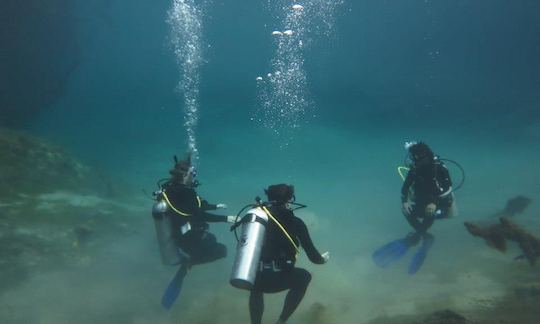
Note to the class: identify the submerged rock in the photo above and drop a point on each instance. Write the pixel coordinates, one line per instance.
(54, 211)
(30, 165)
(496, 235)
(446, 316)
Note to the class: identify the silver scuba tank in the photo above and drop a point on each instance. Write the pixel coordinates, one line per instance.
(248, 250)
(170, 253)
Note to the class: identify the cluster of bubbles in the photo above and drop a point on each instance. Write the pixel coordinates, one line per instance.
(323, 13)
(283, 93)
(185, 20)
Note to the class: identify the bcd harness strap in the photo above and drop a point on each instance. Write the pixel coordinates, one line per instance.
(199, 203)
(297, 249)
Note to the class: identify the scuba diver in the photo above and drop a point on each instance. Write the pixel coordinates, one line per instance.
(276, 234)
(181, 221)
(429, 181)
(426, 195)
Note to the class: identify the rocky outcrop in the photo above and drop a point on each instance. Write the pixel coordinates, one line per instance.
(29, 165)
(54, 210)
(496, 235)
(445, 316)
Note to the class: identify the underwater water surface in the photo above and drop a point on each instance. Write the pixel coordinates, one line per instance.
(320, 94)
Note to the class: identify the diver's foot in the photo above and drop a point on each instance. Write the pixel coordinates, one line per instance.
(413, 238)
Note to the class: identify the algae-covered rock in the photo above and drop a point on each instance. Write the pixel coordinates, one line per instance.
(54, 211)
(446, 316)
(31, 165)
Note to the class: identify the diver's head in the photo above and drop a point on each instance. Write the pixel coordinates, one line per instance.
(280, 194)
(184, 172)
(420, 154)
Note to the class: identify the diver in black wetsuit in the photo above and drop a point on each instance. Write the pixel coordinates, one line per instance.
(277, 267)
(181, 220)
(426, 194)
(190, 216)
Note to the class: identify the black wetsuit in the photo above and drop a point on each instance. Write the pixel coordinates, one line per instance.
(277, 272)
(197, 242)
(430, 184)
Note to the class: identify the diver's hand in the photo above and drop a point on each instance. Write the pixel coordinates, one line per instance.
(430, 209)
(406, 208)
(221, 206)
(326, 256)
(231, 219)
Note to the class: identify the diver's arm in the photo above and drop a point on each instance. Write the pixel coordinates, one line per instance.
(406, 186)
(303, 234)
(211, 218)
(207, 206)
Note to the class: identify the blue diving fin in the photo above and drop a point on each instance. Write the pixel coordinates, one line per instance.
(173, 289)
(390, 253)
(420, 255)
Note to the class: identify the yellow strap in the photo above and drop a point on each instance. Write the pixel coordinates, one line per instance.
(282, 229)
(199, 201)
(400, 171)
(173, 208)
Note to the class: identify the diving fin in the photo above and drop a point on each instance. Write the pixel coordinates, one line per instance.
(390, 253)
(175, 286)
(420, 255)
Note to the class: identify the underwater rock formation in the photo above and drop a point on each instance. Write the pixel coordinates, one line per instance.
(444, 317)
(496, 235)
(54, 210)
(30, 165)
(40, 50)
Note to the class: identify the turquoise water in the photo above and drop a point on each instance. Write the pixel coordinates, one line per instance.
(462, 76)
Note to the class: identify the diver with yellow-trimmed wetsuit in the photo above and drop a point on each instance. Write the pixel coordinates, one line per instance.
(266, 254)
(181, 219)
